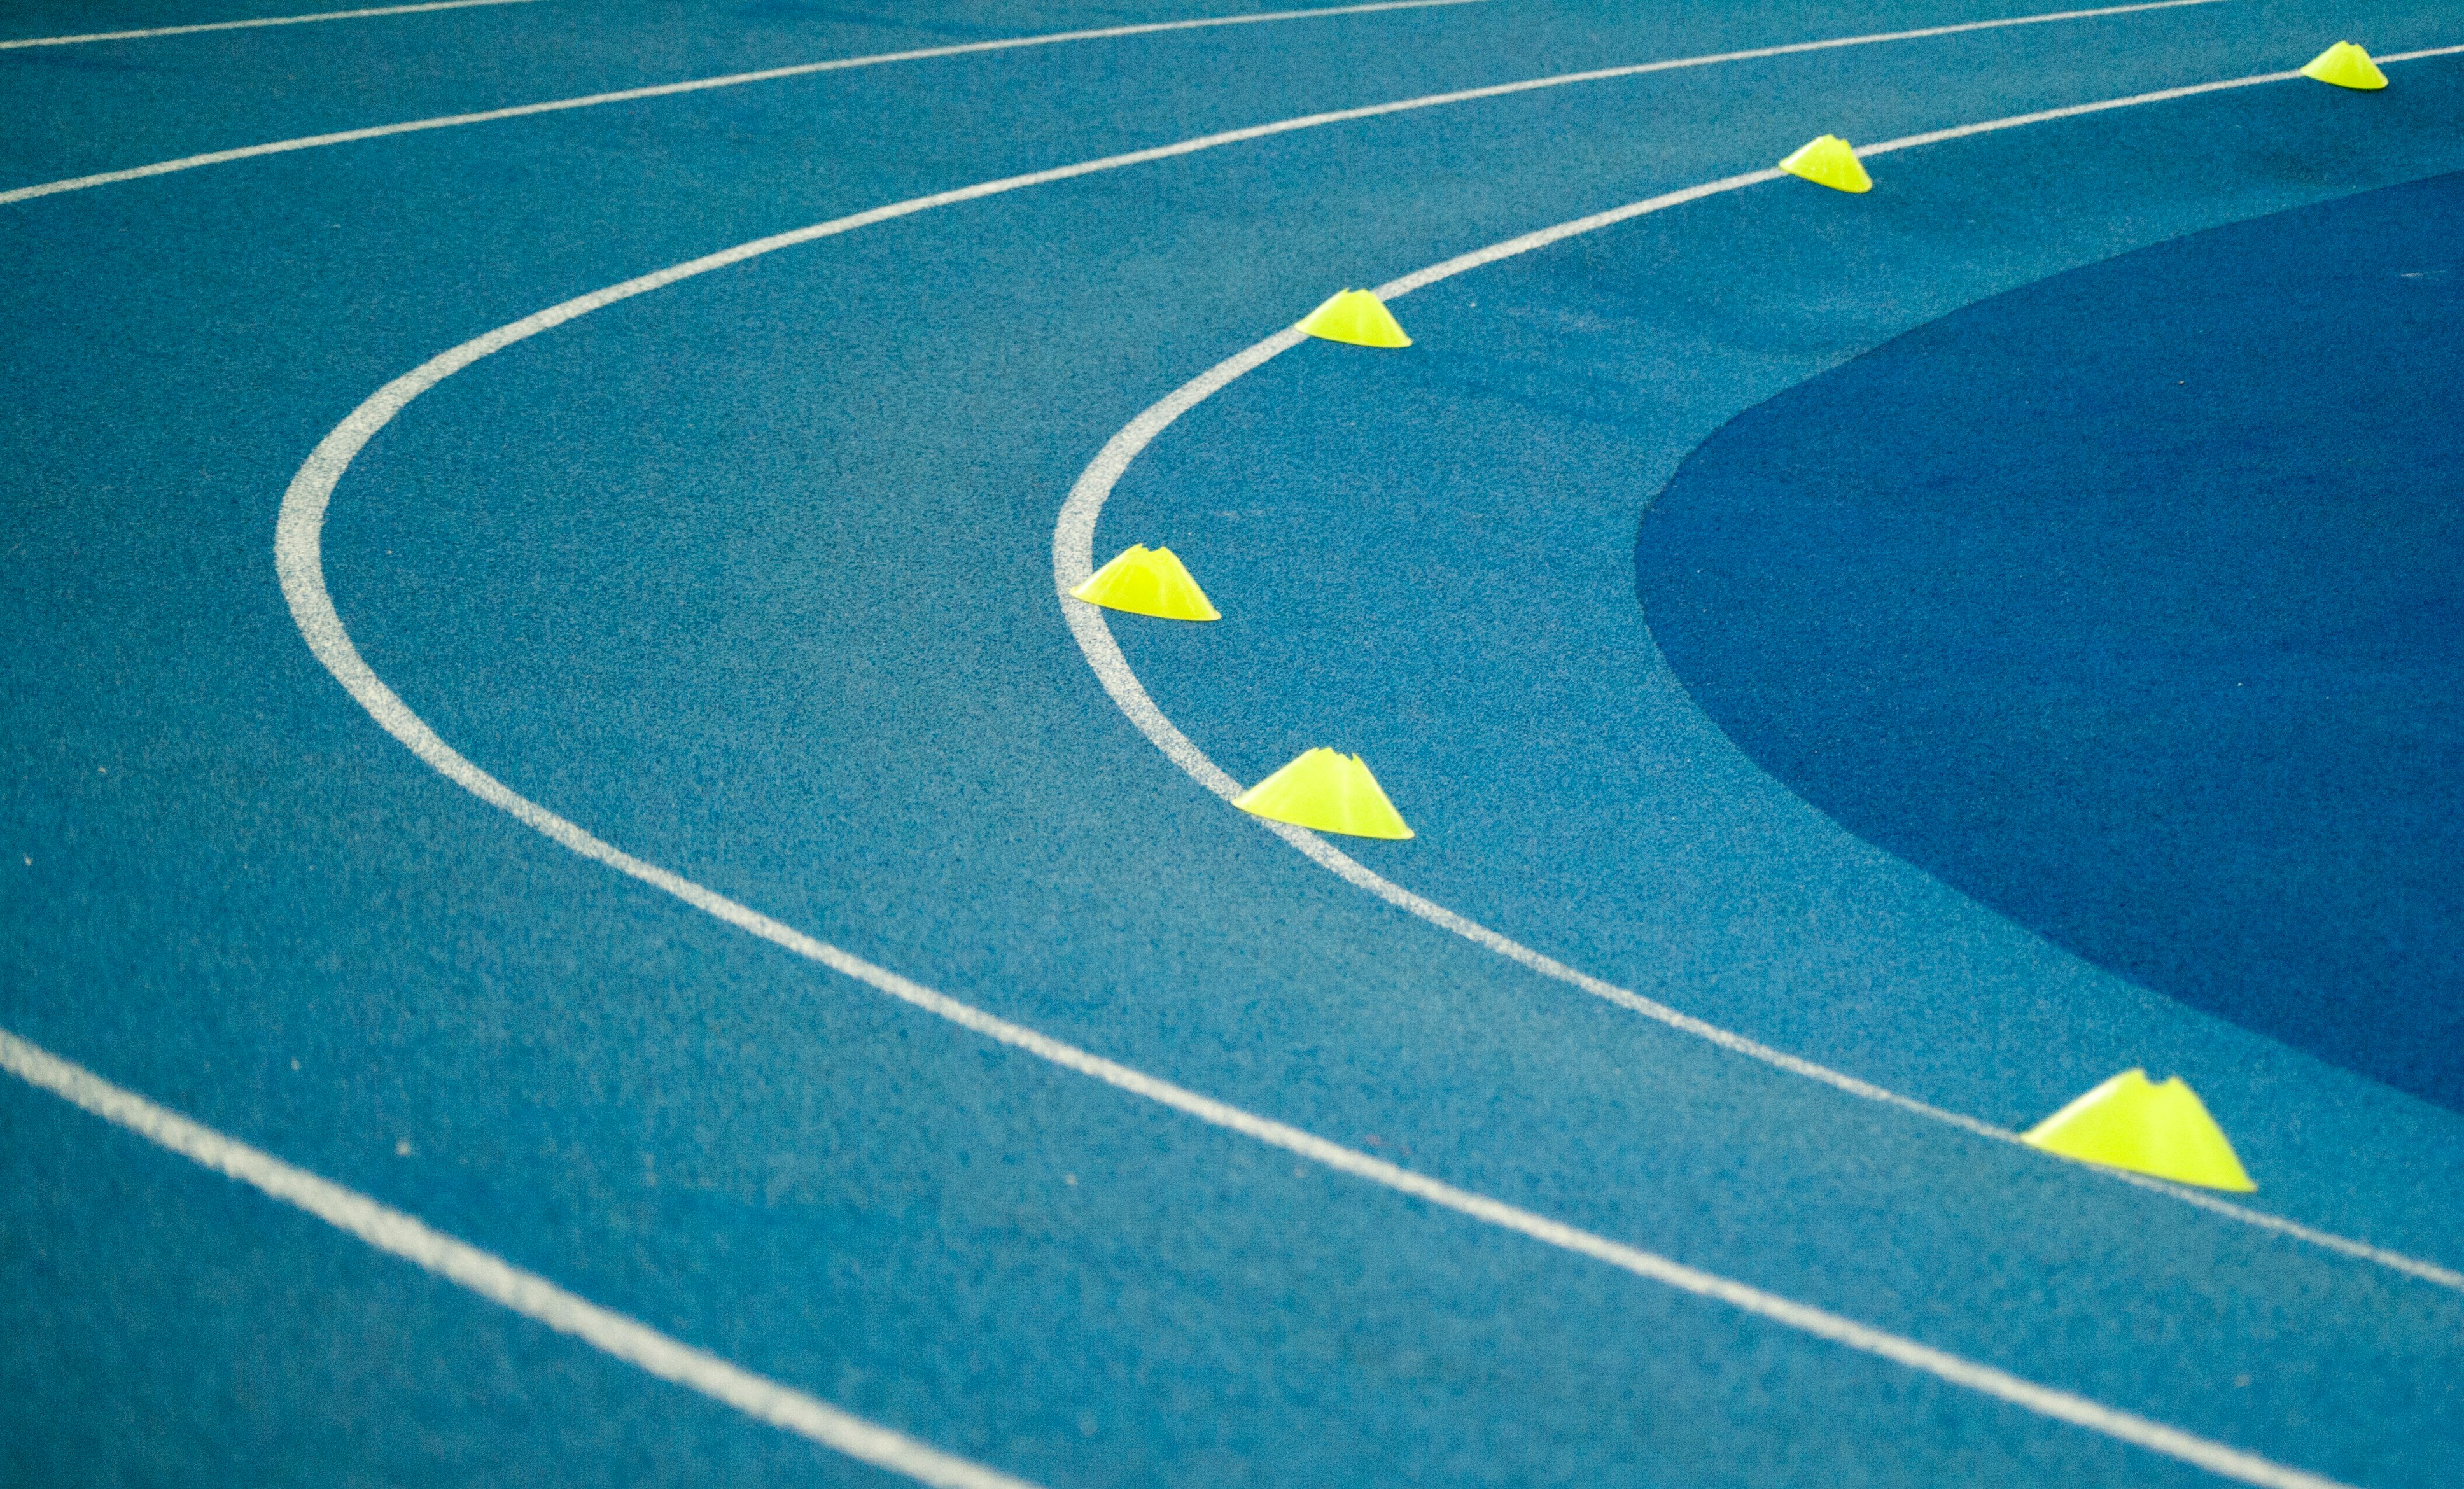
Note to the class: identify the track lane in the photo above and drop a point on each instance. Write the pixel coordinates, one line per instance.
(301, 568)
(1073, 561)
(149, 32)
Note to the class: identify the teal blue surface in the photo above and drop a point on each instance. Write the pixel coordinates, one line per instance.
(751, 577)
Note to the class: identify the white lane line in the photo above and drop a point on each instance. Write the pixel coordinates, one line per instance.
(627, 1339)
(703, 85)
(738, 79)
(299, 563)
(1073, 540)
(300, 558)
(250, 25)
(496, 1279)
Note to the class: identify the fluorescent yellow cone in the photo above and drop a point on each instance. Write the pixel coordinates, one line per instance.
(1826, 159)
(1355, 316)
(1148, 581)
(2131, 1123)
(1329, 792)
(2347, 66)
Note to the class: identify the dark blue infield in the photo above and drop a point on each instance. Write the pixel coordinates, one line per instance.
(2131, 603)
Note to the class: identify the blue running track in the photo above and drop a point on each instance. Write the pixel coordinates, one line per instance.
(1939, 647)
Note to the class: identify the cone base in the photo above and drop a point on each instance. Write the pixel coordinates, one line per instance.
(1325, 791)
(1145, 581)
(2345, 65)
(1829, 161)
(1356, 317)
(2131, 1123)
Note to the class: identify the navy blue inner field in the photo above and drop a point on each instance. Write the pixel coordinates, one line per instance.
(2128, 603)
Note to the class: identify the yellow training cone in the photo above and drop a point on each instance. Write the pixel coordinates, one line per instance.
(1826, 159)
(1148, 581)
(1355, 316)
(1329, 792)
(2131, 1123)
(2347, 66)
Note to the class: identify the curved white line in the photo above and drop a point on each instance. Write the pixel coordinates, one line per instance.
(627, 1339)
(301, 568)
(1073, 540)
(694, 86)
(268, 20)
(738, 79)
(299, 562)
(498, 1281)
